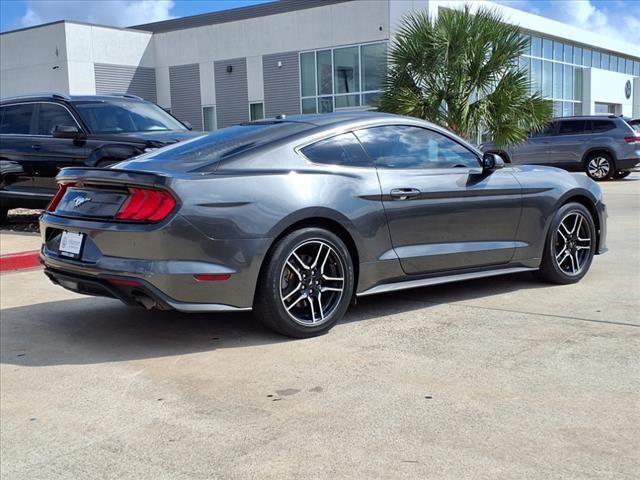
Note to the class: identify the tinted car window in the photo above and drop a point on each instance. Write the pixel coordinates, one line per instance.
(126, 116)
(547, 130)
(51, 116)
(339, 150)
(600, 126)
(401, 146)
(573, 127)
(203, 153)
(16, 119)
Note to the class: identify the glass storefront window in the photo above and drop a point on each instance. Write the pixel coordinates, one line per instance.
(527, 38)
(595, 59)
(374, 66)
(622, 64)
(629, 68)
(308, 74)
(636, 68)
(547, 49)
(613, 63)
(309, 105)
(586, 57)
(567, 109)
(604, 61)
(557, 50)
(325, 72)
(567, 83)
(256, 111)
(346, 69)
(577, 83)
(209, 116)
(547, 79)
(536, 75)
(557, 80)
(557, 109)
(568, 53)
(536, 47)
(577, 55)
(347, 101)
(344, 77)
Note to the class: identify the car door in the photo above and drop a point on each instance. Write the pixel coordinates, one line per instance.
(16, 153)
(51, 153)
(535, 150)
(565, 148)
(443, 213)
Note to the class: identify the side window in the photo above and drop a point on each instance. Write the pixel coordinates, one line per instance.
(546, 131)
(51, 116)
(600, 126)
(339, 150)
(16, 119)
(573, 127)
(401, 146)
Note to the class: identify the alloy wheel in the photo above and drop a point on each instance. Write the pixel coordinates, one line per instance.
(599, 167)
(312, 282)
(572, 244)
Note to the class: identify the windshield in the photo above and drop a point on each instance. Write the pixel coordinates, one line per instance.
(117, 116)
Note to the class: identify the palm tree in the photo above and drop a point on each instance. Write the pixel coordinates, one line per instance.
(461, 71)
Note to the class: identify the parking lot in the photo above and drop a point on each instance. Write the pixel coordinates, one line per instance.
(494, 378)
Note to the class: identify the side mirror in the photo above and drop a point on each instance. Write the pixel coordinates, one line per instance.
(67, 131)
(188, 125)
(491, 162)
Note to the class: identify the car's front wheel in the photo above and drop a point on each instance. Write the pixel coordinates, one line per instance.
(599, 166)
(306, 285)
(570, 245)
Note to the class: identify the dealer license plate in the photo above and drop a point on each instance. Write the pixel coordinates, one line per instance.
(71, 244)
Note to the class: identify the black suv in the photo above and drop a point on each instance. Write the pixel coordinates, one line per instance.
(41, 134)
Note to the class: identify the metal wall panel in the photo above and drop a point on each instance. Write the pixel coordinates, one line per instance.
(140, 81)
(232, 97)
(281, 84)
(184, 85)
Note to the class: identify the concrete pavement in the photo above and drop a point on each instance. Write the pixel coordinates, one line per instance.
(496, 378)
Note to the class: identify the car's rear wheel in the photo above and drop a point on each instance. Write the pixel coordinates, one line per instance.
(570, 245)
(599, 166)
(306, 285)
(621, 174)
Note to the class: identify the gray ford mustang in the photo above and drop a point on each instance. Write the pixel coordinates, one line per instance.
(295, 217)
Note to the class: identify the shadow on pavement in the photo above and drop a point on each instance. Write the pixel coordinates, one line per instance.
(96, 330)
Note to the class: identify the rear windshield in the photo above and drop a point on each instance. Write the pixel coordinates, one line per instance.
(208, 150)
(635, 124)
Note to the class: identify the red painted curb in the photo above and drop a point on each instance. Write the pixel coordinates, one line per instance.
(19, 261)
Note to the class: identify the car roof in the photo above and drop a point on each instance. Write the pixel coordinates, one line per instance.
(587, 117)
(335, 118)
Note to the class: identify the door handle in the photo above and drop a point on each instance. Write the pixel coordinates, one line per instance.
(36, 146)
(404, 193)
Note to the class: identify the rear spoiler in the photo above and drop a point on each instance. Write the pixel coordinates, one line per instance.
(110, 176)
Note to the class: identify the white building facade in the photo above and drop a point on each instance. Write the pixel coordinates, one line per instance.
(291, 57)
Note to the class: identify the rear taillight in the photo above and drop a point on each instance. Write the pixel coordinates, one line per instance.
(146, 205)
(635, 139)
(62, 189)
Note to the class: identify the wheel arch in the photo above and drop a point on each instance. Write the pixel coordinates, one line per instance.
(329, 222)
(590, 204)
(598, 149)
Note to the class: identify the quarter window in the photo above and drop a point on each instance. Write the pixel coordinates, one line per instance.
(16, 119)
(600, 126)
(52, 116)
(339, 150)
(401, 146)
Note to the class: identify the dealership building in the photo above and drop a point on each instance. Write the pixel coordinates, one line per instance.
(293, 56)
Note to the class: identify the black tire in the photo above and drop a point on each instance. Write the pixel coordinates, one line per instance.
(279, 284)
(565, 271)
(3, 215)
(599, 166)
(621, 174)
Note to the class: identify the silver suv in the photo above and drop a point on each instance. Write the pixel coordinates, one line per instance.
(602, 146)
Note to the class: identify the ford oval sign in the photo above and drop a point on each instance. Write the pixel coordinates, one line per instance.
(627, 89)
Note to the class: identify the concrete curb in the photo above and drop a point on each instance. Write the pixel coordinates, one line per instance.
(19, 261)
